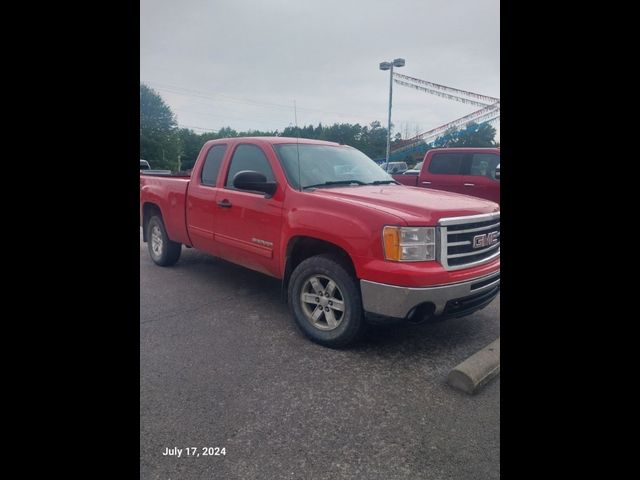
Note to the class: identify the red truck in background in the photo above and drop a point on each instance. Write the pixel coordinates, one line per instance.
(470, 171)
(341, 234)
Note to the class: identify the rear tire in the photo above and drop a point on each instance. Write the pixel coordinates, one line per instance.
(325, 300)
(163, 251)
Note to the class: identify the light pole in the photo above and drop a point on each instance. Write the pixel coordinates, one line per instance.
(398, 62)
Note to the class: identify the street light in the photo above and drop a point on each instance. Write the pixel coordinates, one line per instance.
(398, 62)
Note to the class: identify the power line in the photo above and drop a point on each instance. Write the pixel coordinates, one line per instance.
(197, 128)
(223, 97)
(253, 120)
(213, 96)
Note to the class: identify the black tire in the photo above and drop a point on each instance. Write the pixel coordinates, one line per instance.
(351, 319)
(168, 252)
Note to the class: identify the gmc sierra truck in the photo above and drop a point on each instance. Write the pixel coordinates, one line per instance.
(344, 237)
(470, 171)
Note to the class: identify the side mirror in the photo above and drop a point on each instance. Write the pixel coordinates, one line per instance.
(254, 181)
(498, 172)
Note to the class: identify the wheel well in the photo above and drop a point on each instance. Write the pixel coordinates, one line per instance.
(148, 210)
(301, 248)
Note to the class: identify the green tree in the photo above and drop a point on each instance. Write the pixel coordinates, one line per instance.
(190, 144)
(473, 135)
(373, 140)
(159, 143)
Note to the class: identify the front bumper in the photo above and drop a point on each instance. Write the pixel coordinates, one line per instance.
(457, 299)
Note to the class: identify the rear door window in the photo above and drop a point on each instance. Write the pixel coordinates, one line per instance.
(446, 163)
(212, 164)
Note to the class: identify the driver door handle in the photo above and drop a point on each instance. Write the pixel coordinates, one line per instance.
(469, 184)
(224, 203)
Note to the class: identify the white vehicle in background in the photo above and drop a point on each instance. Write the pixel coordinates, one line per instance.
(415, 170)
(146, 168)
(395, 167)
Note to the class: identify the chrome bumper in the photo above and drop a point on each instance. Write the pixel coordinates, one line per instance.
(394, 301)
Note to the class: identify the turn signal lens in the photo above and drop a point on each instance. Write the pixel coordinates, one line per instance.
(391, 243)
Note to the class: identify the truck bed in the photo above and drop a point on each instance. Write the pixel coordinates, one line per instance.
(163, 173)
(169, 193)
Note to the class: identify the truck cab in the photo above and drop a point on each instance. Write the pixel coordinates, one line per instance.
(469, 171)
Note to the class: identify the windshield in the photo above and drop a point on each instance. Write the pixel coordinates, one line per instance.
(324, 165)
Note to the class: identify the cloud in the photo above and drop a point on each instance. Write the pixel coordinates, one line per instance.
(242, 63)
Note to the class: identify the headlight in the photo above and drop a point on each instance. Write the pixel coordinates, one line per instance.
(409, 244)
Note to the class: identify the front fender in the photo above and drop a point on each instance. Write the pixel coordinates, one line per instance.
(360, 236)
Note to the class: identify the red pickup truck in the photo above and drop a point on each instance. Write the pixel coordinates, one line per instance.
(470, 171)
(340, 233)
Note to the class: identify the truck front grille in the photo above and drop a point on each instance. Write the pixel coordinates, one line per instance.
(469, 241)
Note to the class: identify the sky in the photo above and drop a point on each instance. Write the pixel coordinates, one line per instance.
(244, 63)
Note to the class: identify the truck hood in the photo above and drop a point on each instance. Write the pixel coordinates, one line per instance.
(416, 206)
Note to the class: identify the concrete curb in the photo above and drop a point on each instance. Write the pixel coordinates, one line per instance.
(477, 370)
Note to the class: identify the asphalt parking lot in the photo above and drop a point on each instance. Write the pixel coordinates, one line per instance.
(223, 365)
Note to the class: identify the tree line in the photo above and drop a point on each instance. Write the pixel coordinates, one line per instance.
(166, 146)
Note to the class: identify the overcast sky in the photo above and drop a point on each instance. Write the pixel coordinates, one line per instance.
(242, 63)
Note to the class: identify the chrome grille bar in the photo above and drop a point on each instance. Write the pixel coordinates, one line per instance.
(459, 254)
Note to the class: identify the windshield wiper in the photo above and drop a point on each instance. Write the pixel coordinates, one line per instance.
(383, 182)
(337, 182)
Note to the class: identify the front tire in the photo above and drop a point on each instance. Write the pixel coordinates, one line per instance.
(163, 251)
(325, 301)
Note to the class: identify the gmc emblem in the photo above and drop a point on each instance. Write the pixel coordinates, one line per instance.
(485, 240)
